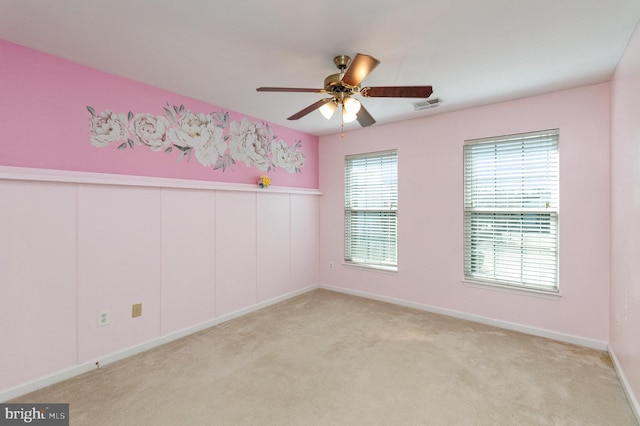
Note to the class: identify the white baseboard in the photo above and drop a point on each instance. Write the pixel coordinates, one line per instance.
(117, 356)
(633, 401)
(567, 338)
(85, 367)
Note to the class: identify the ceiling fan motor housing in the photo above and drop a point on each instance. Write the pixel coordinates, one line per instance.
(333, 85)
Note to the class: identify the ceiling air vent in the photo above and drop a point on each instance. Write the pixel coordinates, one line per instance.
(426, 104)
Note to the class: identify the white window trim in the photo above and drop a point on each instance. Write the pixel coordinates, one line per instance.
(364, 264)
(511, 289)
(503, 285)
(370, 267)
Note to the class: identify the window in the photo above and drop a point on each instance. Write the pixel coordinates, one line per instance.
(511, 210)
(371, 210)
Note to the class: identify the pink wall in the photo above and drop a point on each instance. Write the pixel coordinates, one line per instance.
(430, 211)
(191, 251)
(625, 212)
(45, 124)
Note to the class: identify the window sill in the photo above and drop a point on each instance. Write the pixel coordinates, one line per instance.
(524, 291)
(372, 268)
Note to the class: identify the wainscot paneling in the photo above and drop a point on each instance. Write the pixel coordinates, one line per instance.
(119, 252)
(273, 245)
(236, 251)
(38, 284)
(188, 258)
(193, 253)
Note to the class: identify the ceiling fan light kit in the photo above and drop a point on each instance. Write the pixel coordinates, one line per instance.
(343, 85)
(348, 118)
(351, 105)
(328, 109)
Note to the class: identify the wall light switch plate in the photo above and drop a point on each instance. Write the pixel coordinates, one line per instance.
(136, 310)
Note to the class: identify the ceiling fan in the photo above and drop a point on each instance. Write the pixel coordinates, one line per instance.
(343, 85)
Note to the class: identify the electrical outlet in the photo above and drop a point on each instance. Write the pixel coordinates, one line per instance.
(103, 318)
(331, 266)
(136, 310)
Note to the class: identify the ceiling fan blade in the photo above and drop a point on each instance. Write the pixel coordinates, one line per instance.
(364, 118)
(288, 89)
(309, 109)
(397, 91)
(360, 67)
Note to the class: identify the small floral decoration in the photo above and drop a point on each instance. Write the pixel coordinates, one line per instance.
(264, 181)
(211, 138)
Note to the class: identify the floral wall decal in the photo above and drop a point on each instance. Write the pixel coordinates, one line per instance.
(211, 138)
(82, 134)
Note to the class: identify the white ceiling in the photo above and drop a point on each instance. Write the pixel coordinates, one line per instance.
(472, 52)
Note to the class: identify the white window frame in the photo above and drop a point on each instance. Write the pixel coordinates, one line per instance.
(511, 211)
(371, 210)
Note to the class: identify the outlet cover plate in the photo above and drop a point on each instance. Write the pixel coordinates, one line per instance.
(103, 318)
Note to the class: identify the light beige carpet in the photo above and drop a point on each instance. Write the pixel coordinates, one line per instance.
(325, 358)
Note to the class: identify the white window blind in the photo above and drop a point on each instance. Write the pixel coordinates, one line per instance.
(511, 210)
(371, 209)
